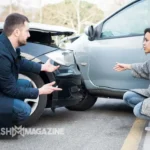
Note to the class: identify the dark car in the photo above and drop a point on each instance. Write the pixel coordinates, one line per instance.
(42, 45)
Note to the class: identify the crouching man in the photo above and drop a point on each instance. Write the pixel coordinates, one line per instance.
(13, 91)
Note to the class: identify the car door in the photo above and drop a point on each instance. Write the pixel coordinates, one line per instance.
(121, 41)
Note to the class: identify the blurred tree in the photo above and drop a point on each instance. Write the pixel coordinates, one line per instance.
(72, 13)
(32, 13)
(75, 14)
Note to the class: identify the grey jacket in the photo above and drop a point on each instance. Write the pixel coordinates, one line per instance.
(142, 70)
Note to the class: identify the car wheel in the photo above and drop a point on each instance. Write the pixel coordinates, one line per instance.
(86, 103)
(38, 104)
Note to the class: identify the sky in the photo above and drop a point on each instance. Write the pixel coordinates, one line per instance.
(31, 3)
(37, 3)
(104, 5)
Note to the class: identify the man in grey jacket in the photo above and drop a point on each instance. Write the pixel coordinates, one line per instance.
(139, 99)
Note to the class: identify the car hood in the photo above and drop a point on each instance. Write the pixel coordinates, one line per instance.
(33, 50)
(57, 30)
(51, 28)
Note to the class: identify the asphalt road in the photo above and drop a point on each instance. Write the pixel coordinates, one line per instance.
(104, 127)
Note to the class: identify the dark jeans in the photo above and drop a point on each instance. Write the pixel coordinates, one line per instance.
(21, 110)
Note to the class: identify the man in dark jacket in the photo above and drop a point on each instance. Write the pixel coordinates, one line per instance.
(13, 91)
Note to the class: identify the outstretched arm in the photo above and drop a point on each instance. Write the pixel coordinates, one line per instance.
(30, 66)
(138, 70)
(141, 70)
(121, 67)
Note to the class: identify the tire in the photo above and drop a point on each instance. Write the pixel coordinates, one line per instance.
(42, 99)
(86, 103)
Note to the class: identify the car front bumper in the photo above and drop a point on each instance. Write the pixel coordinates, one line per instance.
(69, 79)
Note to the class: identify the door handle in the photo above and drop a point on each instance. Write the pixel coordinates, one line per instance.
(83, 64)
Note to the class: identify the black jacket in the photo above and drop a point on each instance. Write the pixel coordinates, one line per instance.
(10, 65)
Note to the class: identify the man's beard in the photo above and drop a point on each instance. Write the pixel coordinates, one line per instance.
(21, 43)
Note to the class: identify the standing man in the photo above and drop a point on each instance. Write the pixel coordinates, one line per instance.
(139, 99)
(13, 91)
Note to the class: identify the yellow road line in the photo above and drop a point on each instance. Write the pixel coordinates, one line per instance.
(134, 137)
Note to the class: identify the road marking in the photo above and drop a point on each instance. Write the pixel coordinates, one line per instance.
(134, 137)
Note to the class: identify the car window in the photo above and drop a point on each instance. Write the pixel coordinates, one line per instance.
(130, 21)
(45, 38)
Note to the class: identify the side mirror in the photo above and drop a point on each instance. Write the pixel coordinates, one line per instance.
(90, 32)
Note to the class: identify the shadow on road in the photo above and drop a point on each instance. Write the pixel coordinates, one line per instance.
(101, 107)
(115, 105)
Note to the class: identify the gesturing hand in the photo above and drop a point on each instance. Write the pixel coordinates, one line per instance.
(121, 67)
(48, 67)
(48, 88)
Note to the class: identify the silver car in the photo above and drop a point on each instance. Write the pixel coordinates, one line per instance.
(118, 38)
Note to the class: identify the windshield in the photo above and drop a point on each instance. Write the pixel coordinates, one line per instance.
(46, 38)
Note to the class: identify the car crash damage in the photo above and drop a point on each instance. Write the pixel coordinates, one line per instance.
(42, 45)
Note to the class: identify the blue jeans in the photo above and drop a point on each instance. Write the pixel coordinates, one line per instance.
(21, 110)
(135, 100)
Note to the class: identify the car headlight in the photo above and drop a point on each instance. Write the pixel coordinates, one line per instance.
(62, 57)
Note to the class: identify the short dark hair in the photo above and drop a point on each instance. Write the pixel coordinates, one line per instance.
(13, 21)
(146, 30)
